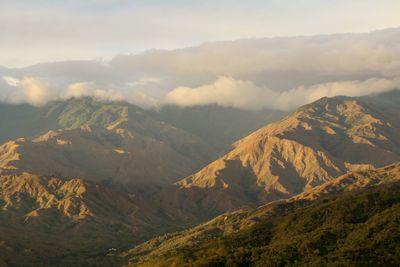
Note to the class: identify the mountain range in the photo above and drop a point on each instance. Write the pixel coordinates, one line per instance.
(115, 143)
(84, 181)
(307, 148)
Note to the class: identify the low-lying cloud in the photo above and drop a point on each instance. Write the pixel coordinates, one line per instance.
(38, 92)
(224, 91)
(127, 94)
(227, 91)
(29, 90)
(278, 73)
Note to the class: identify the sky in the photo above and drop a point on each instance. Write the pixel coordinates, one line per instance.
(254, 54)
(56, 30)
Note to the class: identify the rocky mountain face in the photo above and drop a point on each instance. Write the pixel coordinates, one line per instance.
(111, 156)
(114, 143)
(48, 219)
(345, 219)
(353, 181)
(311, 146)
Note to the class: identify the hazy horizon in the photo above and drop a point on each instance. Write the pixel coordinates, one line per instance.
(105, 60)
(45, 31)
(257, 73)
(249, 55)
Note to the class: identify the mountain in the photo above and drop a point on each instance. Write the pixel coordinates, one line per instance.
(114, 143)
(311, 146)
(353, 181)
(52, 220)
(29, 122)
(103, 177)
(217, 126)
(133, 146)
(355, 223)
(97, 154)
(221, 126)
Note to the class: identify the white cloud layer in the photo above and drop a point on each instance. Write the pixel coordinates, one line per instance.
(226, 91)
(29, 90)
(127, 94)
(281, 73)
(38, 92)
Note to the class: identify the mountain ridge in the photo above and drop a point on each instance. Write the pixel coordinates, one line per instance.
(168, 249)
(48, 219)
(313, 145)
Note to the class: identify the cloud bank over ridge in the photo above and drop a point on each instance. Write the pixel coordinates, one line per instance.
(279, 73)
(226, 91)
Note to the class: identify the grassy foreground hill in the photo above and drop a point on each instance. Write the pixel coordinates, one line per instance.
(356, 225)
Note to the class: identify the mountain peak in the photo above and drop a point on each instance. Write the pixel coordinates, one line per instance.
(311, 146)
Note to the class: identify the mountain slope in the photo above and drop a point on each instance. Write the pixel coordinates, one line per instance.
(313, 145)
(24, 121)
(47, 219)
(221, 126)
(356, 222)
(133, 146)
(353, 181)
(111, 142)
(214, 125)
(113, 156)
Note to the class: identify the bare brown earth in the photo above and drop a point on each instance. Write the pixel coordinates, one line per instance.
(107, 142)
(311, 146)
(45, 219)
(111, 156)
(353, 181)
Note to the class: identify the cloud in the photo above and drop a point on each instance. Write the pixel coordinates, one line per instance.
(303, 95)
(277, 63)
(31, 90)
(278, 73)
(73, 29)
(89, 89)
(227, 91)
(224, 91)
(145, 81)
(35, 91)
(127, 94)
(11, 80)
(38, 91)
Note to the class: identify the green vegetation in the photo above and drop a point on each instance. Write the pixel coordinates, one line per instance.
(77, 112)
(28, 121)
(355, 229)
